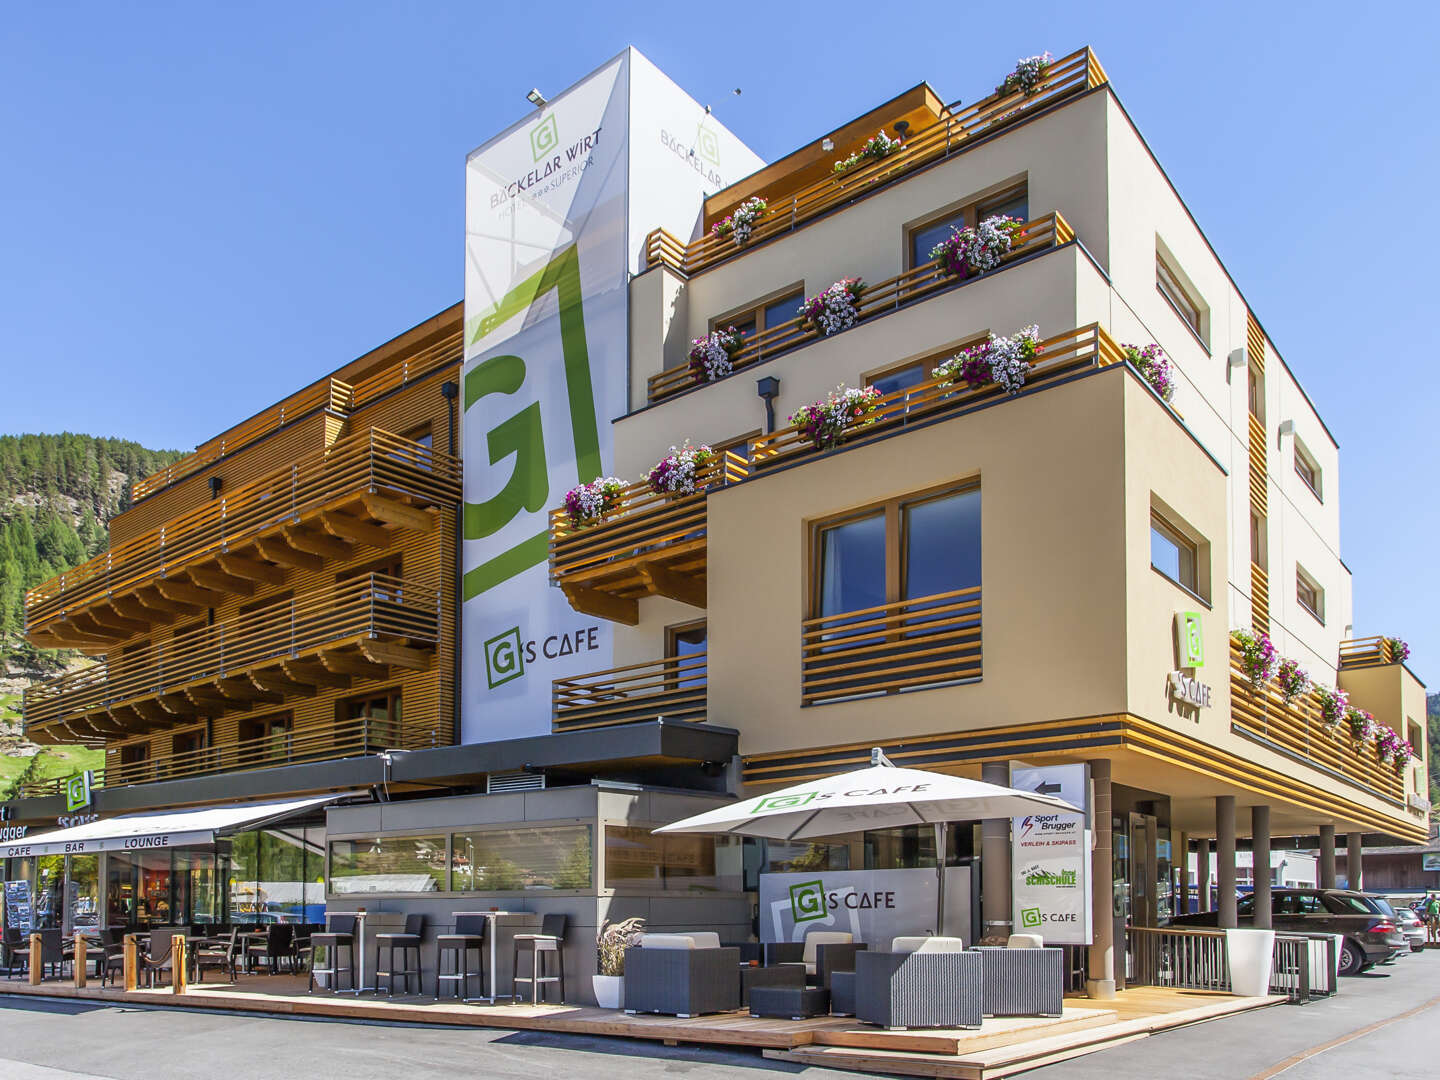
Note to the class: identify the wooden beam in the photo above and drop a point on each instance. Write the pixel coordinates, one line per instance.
(110, 619)
(243, 689)
(182, 592)
(252, 569)
(315, 543)
(69, 636)
(315, 674)
(361, 532)
(177, 705)
(682, 587)
(276, 682)
(164, 606)
(282, 554)
(402, 656)
(602, 605)
(151, 710)
(85, 622)
(130, 608)
(349, 664)
(207, 577)
(209, 700)
(394, 512)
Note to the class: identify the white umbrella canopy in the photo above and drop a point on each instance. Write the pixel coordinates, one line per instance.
(883, 796)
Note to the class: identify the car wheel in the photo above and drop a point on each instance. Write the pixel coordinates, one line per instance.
(1352, 960)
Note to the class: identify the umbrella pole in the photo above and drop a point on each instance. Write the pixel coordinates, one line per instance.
(939, 879)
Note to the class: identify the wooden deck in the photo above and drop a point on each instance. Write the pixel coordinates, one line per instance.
(1001, 1047)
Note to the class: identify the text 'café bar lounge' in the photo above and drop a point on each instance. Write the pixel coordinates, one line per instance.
(947, 433)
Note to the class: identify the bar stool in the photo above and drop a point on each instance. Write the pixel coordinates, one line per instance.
(406, 942)
(469, 936)
(549, 942)
(341, 935)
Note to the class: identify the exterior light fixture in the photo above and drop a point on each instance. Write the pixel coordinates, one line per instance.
(536, 98)
(768, 388)
(1287, 427)
(1239, 358)
(827, 144)
(901, 127)
(215, 485)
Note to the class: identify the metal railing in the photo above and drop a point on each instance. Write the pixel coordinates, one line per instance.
(1303, 966)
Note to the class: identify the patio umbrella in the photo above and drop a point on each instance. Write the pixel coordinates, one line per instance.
(882, 796)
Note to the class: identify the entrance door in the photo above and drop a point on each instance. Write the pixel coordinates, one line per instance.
(1144, 872)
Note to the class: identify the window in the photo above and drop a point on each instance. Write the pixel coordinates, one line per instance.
(1171, 285)
(764, 316)
(1310, 596)
(900, 378)
(1306, 469)
(264, 738)
(1255, 392)
(636, 858)
(387, 864)
(185, 749)
(135, 753)
(795, 856)
(1259, 548)
(1174, 554)
(512, 860)
(376, 717)
(921, 238)
(687, 643)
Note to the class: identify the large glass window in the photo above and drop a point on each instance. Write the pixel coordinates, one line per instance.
(942, 544)
(799, 856)
(765, 316)
(923, 238)
(1172, 287)
(512, 860)
(852, 565)
(84, 897)
(636, 858)
(388, 864)
(1172, 553)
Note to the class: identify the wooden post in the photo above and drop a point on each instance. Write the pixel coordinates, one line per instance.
(179, 967)
(80, 961)
(37, 951)
(132, 962)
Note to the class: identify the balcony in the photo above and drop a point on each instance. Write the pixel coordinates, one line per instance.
(361, 627)
(955, 131)
(650, 545)
(1368, 652)
(920, 283)
(1297, 731)
(673, 688)
(358, 492)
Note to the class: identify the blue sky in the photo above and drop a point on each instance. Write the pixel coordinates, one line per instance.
(271, 190)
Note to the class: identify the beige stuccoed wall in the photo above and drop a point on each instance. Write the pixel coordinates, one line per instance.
(1396, 698)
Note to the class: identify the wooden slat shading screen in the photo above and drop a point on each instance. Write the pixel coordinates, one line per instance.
(672, 688)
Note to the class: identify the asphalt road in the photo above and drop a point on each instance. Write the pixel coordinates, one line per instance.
(1381, 1025)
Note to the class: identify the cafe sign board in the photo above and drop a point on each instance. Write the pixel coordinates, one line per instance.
(871, 905)
(1050, 858)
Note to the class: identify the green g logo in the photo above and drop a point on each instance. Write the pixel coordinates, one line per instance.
(77, 792)
(807, 901)
(783, 802)
(708, 144)
(1192, 640)
(504, 658)
(1030, 917)
(544, 137)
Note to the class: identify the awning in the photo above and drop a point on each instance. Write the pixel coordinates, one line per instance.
(164, 829)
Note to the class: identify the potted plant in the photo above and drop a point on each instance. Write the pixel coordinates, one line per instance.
(610, 946)
(739, 225)
(881, 146)
(1258, 658)
(826, 422)
(835, 309)
(1399, 650)
(675, 473)
(1029, 73)
(713, 356)
(1362, 725)
(1004, 361)
(1292, 680)
(979, 248)
(588, 504)
(1333, 706)
(1154, 367)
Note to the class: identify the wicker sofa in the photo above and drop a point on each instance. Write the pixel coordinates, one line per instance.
(681, 975)
(1023, 979)
(921, 982)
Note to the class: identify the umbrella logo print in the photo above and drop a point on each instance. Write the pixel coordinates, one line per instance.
(783, 802)
(807, 901)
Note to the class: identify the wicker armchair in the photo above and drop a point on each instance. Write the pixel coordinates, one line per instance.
(1023, 981)
(921, 982)
(681, 975)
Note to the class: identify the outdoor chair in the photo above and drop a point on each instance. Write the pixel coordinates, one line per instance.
(159, 958)
(681, 975)
(549, 942)
(407, 942)
(52, 953)
(1022, 980)
(922, 982)
(278, 946)
(98, 945)
(223, 954)
(14, 953)
(339, 937)
(471, 929)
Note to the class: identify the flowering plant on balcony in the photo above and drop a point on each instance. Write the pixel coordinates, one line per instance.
(713, 356)
(589, 503)
(1258, 658)
(1389, 746)
(674, 474)
(1334, 704)
(1292, 680)
(826, 422)
(741, 223)
(1029, 73)
(834, 309)
(977, 249)
(1363, 728)
(1154, 365)
(881, 146)
(1004, 361)
(1399, 650)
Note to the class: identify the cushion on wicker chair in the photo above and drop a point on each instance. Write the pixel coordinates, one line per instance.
(822, 937)
(1025, 941)
(923, 944)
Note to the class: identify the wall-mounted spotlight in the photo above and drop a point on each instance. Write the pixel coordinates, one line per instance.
(536, 98)
(901, 127)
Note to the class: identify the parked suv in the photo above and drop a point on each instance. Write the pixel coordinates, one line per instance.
(1367, 923)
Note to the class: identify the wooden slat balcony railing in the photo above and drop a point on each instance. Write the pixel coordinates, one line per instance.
(368, 477)
(1041, 234)
(55, 785)
(369, 622)
(332, 394)
(1298, 729)
(892, 648)
(673, 688)
(1367, 652)
(445, 353)
(1088, 346)
(648, 545)
(952, 133)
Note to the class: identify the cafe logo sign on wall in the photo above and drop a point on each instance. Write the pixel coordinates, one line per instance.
(1183, 685)
(78, 791)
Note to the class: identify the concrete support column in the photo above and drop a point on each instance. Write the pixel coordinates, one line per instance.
(1100, 964)
(1327, 856)
(1180, 859)
(1354, 862)
(1225, 859)
(1260, 863)
(995, 861)
(1202, 872)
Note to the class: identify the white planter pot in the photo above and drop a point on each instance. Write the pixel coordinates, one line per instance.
(609, 990)
(1251, 954)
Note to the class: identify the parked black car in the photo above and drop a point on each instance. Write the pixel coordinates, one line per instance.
(1366, 922)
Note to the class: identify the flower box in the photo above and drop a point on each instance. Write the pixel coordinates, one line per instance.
(589, 504)
(826, 422)
(835, 309)
(713, 356)
(1004, 361)
(739, 225)
(676, 472)
(876, 149)
(1029, 73)
(979, 248)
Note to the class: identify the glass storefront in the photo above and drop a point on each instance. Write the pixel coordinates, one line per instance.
(522, 859)
(388, 864)
(636, 858)
(269, 875)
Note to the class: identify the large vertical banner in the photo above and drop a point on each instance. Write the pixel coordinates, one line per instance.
(550, 242)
